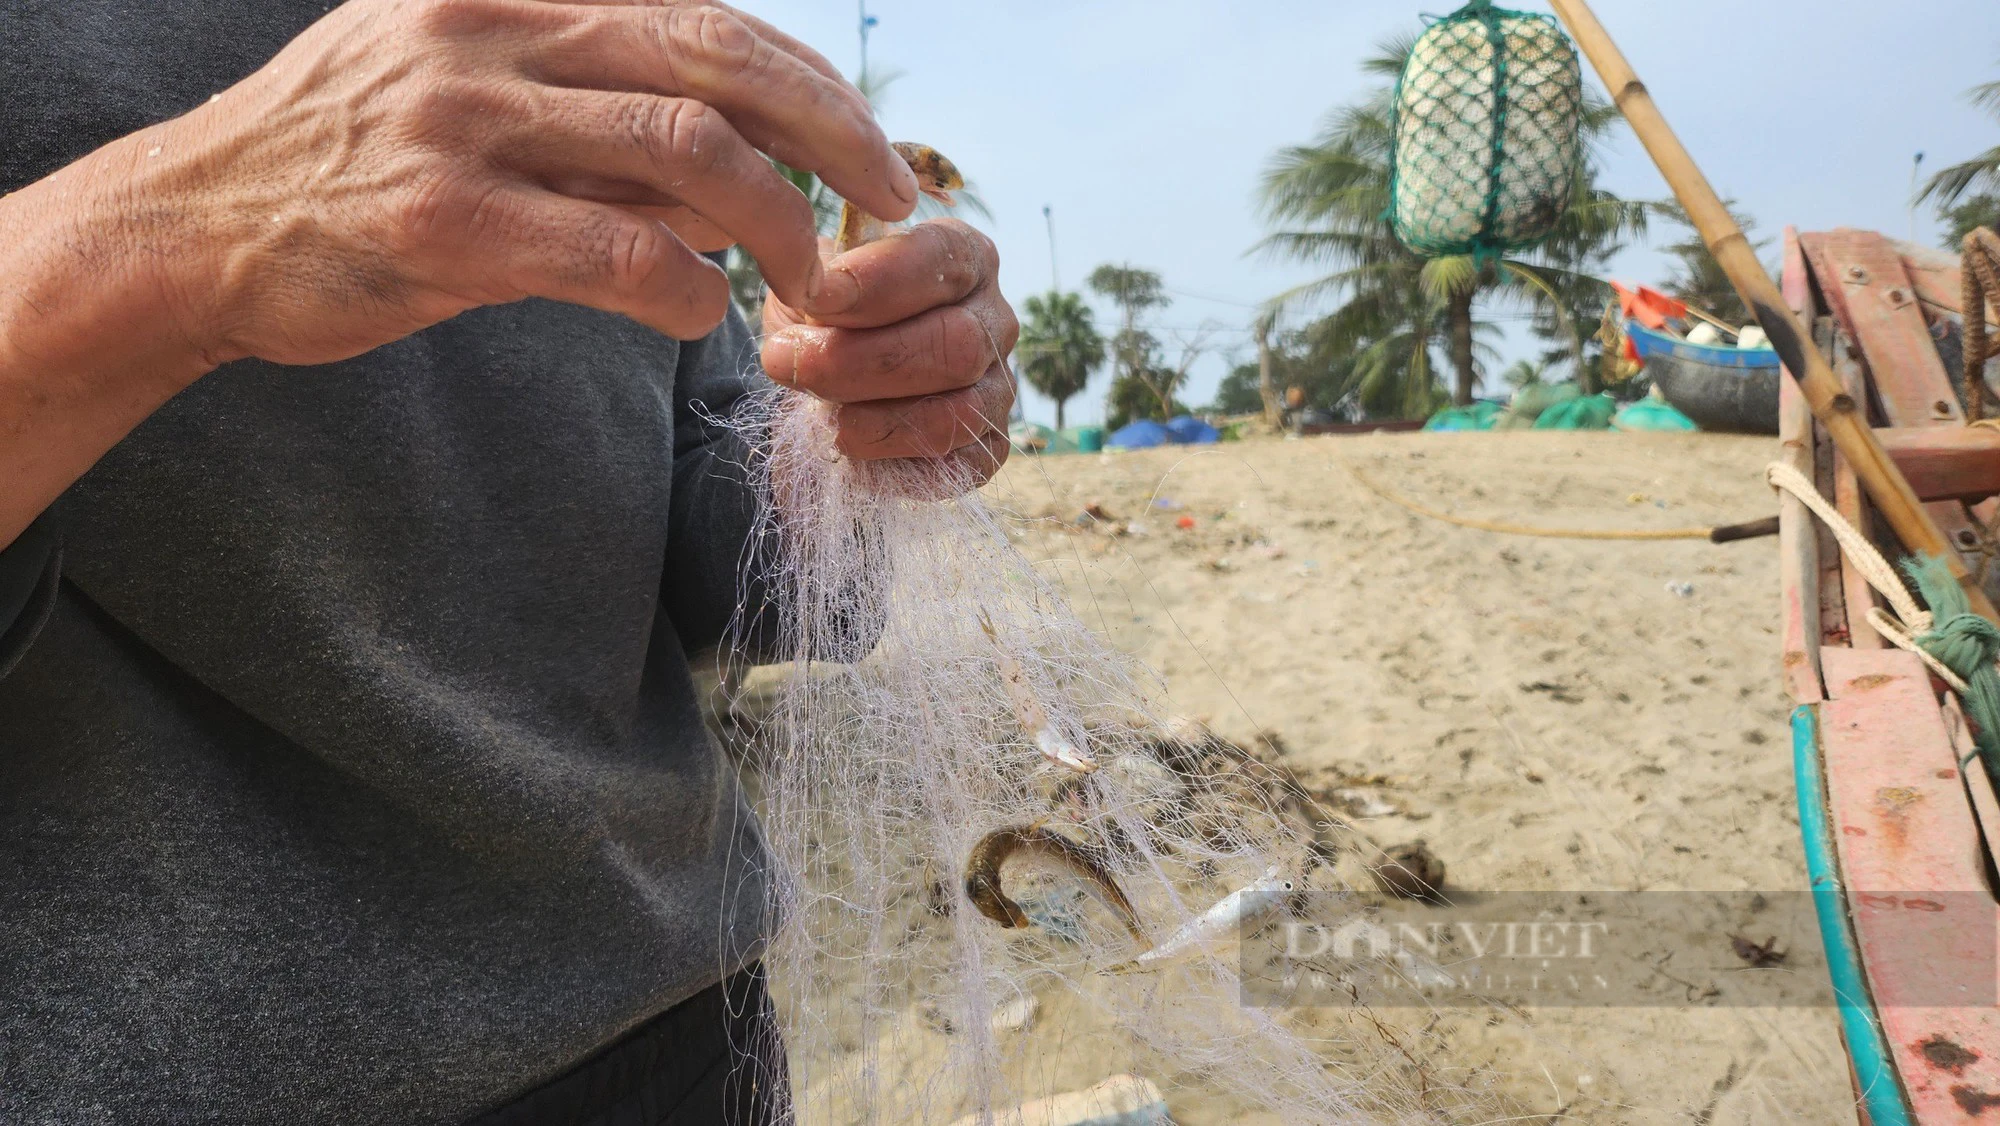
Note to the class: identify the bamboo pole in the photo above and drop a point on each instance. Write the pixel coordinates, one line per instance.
(1844, 419)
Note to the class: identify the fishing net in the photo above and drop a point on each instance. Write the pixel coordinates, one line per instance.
(934, 682)
(1487, 143)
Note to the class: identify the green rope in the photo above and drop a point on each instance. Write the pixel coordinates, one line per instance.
(1965, 643)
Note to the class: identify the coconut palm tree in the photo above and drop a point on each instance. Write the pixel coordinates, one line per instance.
(1060, 348)
(1967, 194)
(1327, 200)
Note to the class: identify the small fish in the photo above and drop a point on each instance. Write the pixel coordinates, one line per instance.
(982, 875)
(937, 177)
(1029, 712)
(1244, 907)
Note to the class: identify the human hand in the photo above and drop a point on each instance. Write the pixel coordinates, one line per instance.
(907, 341)
(401, 162)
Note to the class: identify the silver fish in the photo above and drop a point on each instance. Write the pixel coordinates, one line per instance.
(1245, 907)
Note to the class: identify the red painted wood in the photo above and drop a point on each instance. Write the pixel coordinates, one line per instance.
(1946, 462)
(1871, 293)
(1798, 538)
(1909, 860)
(1853, 505)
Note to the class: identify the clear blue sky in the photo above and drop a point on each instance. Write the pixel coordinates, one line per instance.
(1145, 123)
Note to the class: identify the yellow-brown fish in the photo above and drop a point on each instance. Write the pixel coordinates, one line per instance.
(936, 178)
(984, 889)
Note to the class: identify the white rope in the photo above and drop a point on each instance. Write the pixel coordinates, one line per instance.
(1910, 620)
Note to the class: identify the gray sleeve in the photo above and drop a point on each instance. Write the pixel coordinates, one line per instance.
(715, 558)
(29, 569)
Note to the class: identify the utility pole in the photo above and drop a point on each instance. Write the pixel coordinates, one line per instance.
(1055, 278)
(1916, 168)
(868, 22)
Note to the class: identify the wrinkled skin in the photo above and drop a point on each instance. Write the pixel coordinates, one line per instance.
(403, 161)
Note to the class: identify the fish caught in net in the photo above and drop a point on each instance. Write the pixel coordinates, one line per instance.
(978, 812)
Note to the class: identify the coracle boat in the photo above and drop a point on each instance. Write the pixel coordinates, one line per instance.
(1732, 389)
(1896, 807)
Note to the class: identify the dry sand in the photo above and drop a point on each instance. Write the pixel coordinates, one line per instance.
(1547, 713)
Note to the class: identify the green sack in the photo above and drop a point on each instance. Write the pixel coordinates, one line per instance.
(1487, 146)
(1479, 416)
(1652, 414)
(1587, 412)
(1532, 399)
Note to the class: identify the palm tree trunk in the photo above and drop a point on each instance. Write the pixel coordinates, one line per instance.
(1458, 316)
(1059, 414)
(1267, 390)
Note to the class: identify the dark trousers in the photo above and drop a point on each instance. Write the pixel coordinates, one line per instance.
(715, 1059)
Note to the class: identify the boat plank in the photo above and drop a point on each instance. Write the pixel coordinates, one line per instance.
(1832, 604)
(1935, 275)
(1853, 505)
(1946, 462)
(1915, 893)
(1872, 296)
(1798, 536)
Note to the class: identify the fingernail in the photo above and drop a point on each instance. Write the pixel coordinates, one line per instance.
(838, 292)
(781, 356)
(815, 281)
(906, 182)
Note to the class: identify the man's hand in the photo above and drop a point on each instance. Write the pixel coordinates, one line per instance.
(907, 339)
(405, 160)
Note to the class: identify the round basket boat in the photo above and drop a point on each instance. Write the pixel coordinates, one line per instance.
(1730, 389)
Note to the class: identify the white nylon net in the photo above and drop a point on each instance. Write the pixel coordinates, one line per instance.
(880, 779)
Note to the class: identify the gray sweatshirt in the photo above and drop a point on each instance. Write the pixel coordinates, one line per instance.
(350, 766)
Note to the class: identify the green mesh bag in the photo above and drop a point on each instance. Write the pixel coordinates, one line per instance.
(1487, 143)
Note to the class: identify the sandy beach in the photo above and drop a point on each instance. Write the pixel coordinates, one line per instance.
(1548, 714)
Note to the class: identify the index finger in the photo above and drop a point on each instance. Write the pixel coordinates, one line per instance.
(783, 104)
(777, 38)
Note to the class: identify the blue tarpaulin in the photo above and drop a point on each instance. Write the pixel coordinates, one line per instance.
(1190, 431)
(1141, 435)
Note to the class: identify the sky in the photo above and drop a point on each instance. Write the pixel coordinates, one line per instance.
(1145, 124)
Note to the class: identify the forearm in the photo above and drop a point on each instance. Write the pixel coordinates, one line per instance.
(93, 329)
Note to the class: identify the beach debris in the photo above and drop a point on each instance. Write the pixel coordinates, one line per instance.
(1053, 744)
(1681, 589)
(1137, 528)
(1757, 954)
(1167, 504)
(1221, 564)
(1411, 871)
(1365, 803)
(1185, 523)
(1560, 693)
(1239, 912)
(1096, 511)
(983, 886)
(1122, 1100)
(1016, 1015)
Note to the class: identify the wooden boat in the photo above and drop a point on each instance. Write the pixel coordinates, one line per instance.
(1732, 389)
(1898, 833)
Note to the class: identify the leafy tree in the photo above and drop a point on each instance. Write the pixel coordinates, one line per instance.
(1238, 392)
(1060, 348)
(1967, 215)
(1327, 200)
(1967, 194)
(1698, 278)
(1521, 373)
(1136, 386)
